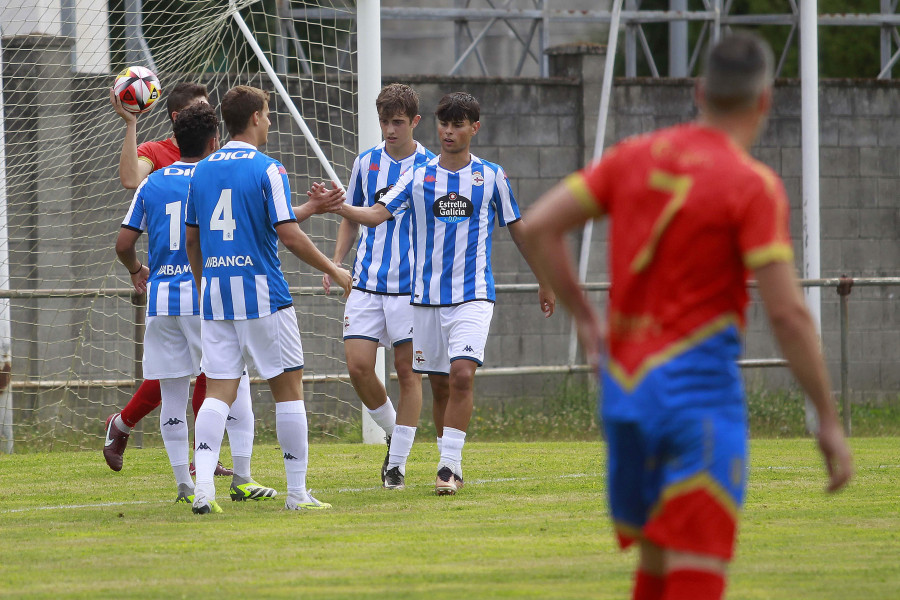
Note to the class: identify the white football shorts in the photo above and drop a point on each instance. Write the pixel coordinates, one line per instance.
(270, 345)
(380, 318)
(172, 347)
(447, 333)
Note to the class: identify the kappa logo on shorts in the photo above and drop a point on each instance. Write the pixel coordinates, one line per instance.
(173, 421)
(468, 349)
(420, 357)
(410, 330)
(230, 418)
(203, 446)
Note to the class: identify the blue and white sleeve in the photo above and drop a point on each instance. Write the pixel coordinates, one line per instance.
(278, 193)
(507, 207)
(136, 217)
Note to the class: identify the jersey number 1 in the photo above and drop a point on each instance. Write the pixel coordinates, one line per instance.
(173, 209)
(222, 219)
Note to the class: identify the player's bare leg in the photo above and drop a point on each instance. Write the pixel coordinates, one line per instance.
(292, 430)
(694, 576)
(649, 578)
(458, 413)
(361, 356)
(408, 409)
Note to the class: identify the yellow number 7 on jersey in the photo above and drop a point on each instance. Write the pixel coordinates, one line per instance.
(677, 185)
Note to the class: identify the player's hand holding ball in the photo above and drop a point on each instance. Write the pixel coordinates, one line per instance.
(135, 91)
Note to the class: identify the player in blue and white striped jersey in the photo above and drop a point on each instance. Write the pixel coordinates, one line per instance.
(172, 338)
(378, 311)
(238, 208)
(454, 200)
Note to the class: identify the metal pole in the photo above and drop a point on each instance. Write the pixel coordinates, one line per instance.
(809, 121)
(283, 93)
(886, 39)
(6, 407)
(631, 44)
(139, 301)
(843, 290)
(678, 41)
(368, 52)
(605, 93)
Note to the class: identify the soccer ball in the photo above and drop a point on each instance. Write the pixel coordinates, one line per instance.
(138, 89)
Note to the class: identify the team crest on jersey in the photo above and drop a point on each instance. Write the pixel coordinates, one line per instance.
(453, 208)
(477, 178)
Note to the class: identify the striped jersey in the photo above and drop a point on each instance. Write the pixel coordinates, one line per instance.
(453, 215)
(158, 209)
(237, 197)
(383, 253)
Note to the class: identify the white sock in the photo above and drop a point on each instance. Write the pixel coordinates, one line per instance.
(385, 416)
(292, 430)
(183, 475)
(440, 443)
(173, 424)
(208, 433)
(239, 426)
(451, 449)
(120, 424)
(401, 444)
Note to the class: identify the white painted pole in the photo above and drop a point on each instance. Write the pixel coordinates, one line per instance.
(6, 414)
(605, 94)
(368, 57)
(809, 111)
(283, 93)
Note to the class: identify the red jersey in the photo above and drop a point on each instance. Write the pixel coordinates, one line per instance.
(159, 154)
(690, 213)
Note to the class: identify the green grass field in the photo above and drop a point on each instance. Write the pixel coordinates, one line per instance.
(531, 522)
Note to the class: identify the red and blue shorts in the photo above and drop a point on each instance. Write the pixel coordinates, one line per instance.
(678, 451)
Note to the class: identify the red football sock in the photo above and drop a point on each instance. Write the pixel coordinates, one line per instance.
(145, 399)
(199, 394)
(690, 584)
(648, 586)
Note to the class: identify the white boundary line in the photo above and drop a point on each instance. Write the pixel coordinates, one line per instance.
(375, 488)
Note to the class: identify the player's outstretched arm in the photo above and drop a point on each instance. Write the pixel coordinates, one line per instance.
(295, 240)
(370, 216)
(544, 236)
(132, 171)
(125, 250)
(546, 297)
(194, 254)
(347, 232)
(796, 335)
(320, 200)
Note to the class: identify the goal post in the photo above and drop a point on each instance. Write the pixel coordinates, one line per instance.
(71, 321)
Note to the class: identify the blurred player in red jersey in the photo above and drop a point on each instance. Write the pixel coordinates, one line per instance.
(135, 164)
(691, 215)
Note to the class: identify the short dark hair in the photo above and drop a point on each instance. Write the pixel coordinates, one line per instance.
(738, 69)
(194, 127)
(458, 106)
(397, 99)
(183, 95)
(238, 106)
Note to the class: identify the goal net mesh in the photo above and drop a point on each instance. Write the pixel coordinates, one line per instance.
(71, 324)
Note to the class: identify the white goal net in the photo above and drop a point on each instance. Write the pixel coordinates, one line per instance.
(68, 323)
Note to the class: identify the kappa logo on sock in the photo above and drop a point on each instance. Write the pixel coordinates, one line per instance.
(173, 421)
(289, 456)
(230, 418)
(203, 446)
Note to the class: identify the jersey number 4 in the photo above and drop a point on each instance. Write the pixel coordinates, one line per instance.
(222, 219)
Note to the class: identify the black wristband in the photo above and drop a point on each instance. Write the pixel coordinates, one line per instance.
(138, 269)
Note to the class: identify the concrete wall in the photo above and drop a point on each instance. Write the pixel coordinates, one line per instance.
(65, 205)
